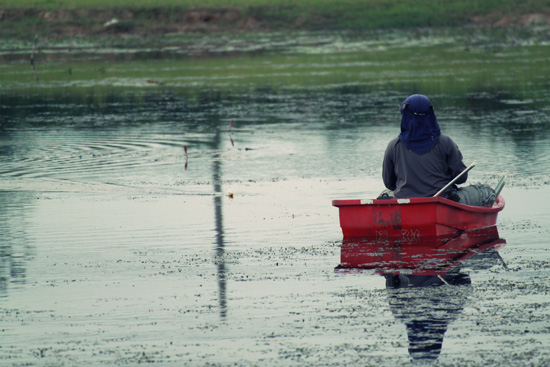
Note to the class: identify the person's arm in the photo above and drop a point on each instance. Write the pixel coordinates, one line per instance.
(455, 163)
(388, 168)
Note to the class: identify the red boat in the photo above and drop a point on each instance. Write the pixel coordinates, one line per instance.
(431, 216)
(428, 255)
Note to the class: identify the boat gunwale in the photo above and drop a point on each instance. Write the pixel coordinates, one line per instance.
(496, 207)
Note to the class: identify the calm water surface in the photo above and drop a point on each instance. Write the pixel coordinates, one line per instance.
(136, 229)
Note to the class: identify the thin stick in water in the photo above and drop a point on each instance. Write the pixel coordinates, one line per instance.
(186, 157)
(229, 133)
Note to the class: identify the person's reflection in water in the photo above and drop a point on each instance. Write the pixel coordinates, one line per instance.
(427, 304)
(426, 279)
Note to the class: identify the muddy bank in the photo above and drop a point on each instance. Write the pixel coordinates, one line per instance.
(144, 22)
(22, 23)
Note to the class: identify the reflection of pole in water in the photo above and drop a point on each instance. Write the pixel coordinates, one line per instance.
(218, 214)
(15, 248)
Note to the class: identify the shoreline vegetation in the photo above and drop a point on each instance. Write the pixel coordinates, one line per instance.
(66, 19)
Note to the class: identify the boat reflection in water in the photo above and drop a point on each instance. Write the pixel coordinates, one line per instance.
(425, 280)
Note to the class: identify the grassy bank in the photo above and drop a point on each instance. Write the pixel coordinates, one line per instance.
(67, 18)
(449, 70)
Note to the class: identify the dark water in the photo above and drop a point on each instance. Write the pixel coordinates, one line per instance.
(135, 229)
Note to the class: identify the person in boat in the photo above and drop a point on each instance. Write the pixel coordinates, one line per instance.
(422, 160)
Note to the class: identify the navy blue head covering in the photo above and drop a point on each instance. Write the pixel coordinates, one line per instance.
(419, 128)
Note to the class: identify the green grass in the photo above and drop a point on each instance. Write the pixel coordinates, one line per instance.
(439, 69)
(419, 6)
(272, 15)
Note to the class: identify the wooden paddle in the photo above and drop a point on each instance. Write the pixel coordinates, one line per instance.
(454, 179)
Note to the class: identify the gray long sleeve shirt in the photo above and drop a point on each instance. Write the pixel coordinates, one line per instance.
(410, 174)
